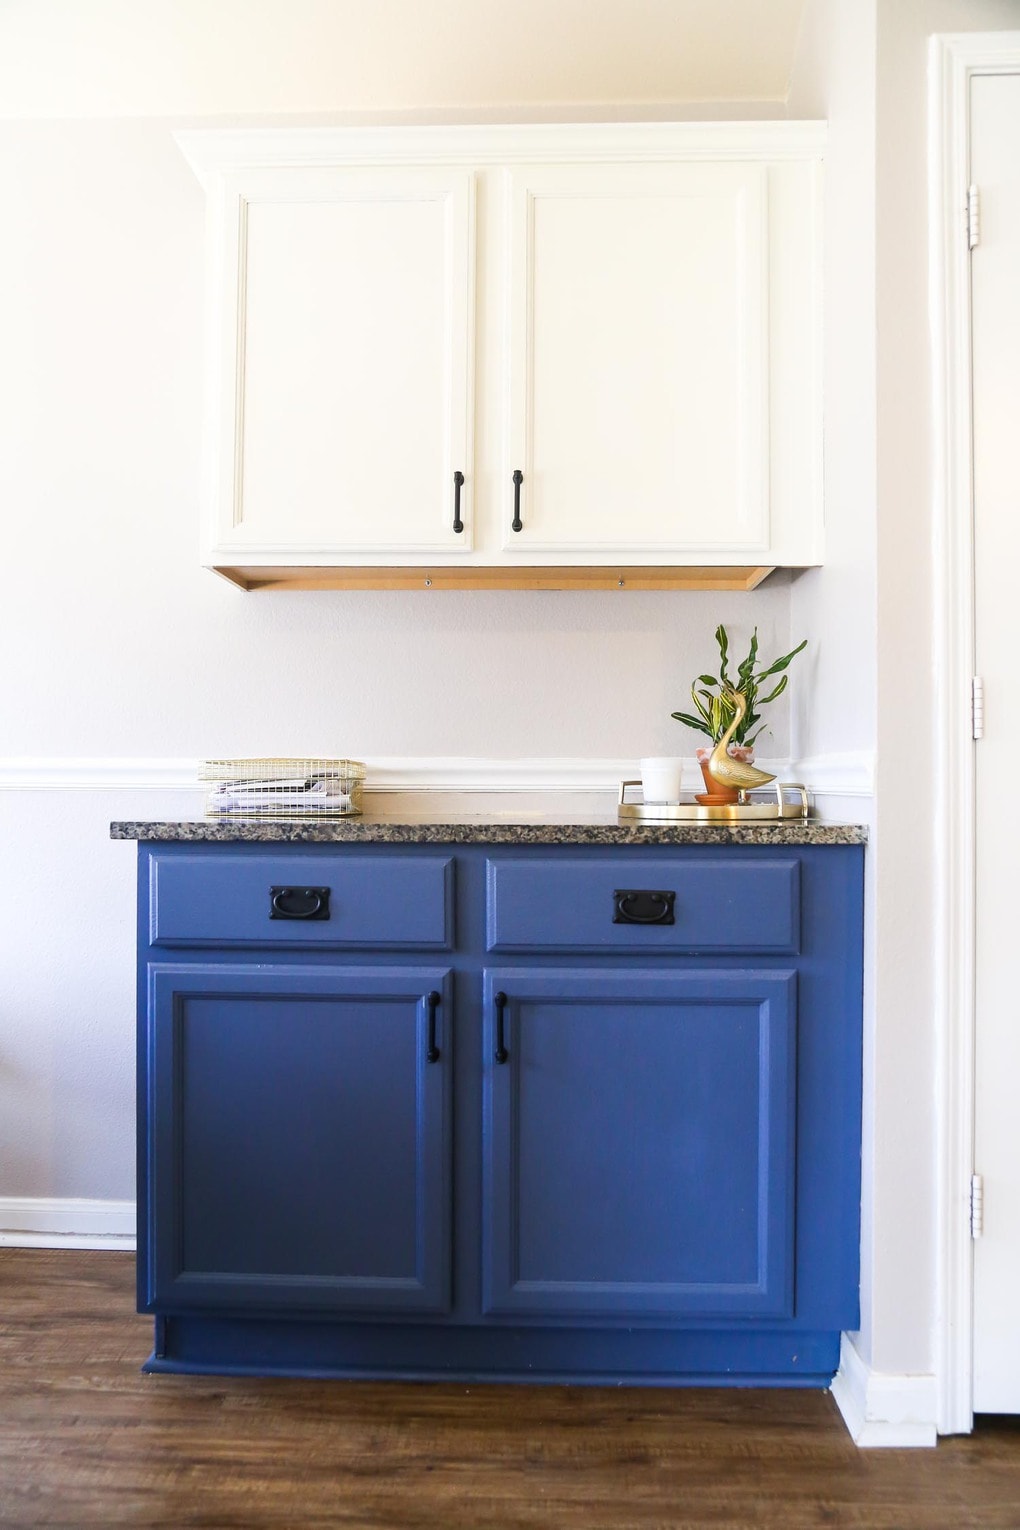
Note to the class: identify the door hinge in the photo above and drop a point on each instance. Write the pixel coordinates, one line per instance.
(977, 1205)
(973, 216)
(977, 707)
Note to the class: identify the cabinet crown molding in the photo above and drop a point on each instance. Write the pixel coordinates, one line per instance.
(212, 151)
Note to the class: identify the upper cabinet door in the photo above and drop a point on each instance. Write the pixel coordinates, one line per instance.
(345, 337)
(638, 397)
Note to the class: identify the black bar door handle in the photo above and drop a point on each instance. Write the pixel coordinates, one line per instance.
(458, 484)
(517, 524)
(501, 1054)
(433, 1000)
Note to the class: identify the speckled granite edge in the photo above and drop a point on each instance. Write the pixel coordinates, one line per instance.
(374, 831)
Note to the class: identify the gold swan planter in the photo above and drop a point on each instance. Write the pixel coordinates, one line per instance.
(732, 774)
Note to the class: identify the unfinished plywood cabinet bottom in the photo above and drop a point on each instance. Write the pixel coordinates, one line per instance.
(294, 578)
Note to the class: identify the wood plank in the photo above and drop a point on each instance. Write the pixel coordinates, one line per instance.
(86, 1440)
(478, 577)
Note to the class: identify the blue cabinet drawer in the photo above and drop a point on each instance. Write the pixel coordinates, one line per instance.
(672, 904)
(282, 899)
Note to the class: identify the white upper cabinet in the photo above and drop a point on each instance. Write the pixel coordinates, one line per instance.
(344, 357)
(628, 316)
(638, 395)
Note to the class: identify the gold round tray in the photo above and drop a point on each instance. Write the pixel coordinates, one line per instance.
(689, 811)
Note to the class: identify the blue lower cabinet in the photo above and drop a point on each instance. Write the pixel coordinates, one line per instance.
(299, 1138)
(581, 1113)
(640, 1134)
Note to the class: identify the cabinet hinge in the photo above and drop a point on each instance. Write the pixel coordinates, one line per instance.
(977, 707)
(977, 1205)
(973, 216)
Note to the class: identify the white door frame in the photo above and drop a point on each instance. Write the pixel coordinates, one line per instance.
(954, 60)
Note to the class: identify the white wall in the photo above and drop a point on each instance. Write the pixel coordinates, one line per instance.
(905, 1062)
(117, 644)
(863, 66)
(834, 78)
(71, 58)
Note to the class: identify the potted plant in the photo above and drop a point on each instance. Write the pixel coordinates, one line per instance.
(714, 710)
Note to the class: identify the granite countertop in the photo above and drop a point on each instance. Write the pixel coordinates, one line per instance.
(489, 828)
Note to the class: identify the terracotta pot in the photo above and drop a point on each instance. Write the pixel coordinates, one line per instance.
(715, 794)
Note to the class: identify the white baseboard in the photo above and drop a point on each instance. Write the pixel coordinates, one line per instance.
(881, 1409)
(50, 1222)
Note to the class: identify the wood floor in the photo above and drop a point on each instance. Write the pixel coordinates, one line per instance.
(85, 1440)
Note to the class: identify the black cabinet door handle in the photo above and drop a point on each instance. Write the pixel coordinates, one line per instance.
(458, 484)
(517, 524)
(299, 903)
(501, 1053)
(433, 1001)
(640, 906)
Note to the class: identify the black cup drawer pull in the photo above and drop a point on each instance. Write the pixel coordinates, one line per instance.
(299, 903)
(638, 906)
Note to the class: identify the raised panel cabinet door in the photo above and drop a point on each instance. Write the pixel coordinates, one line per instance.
(345, 338)
(297, 1131)
(637, 401)
(639, 1132)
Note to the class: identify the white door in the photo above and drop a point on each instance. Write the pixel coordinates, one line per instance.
(638, 386)
(995, 288)
(346, 341)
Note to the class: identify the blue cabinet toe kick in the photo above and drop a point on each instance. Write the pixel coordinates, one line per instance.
(408, 1352)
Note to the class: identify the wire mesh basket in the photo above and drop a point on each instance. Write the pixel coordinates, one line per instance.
(312, 787)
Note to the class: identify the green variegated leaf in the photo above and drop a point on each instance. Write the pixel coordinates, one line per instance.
(780, 664)
(699, 704)
(691, 722)
(723, 641)
(780, 688)
(747, 667)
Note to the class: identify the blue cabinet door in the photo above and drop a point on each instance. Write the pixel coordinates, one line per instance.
(298, 1138)
(639, 1143)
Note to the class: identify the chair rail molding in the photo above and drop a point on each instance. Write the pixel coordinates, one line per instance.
(836, 775)
(954, 60)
